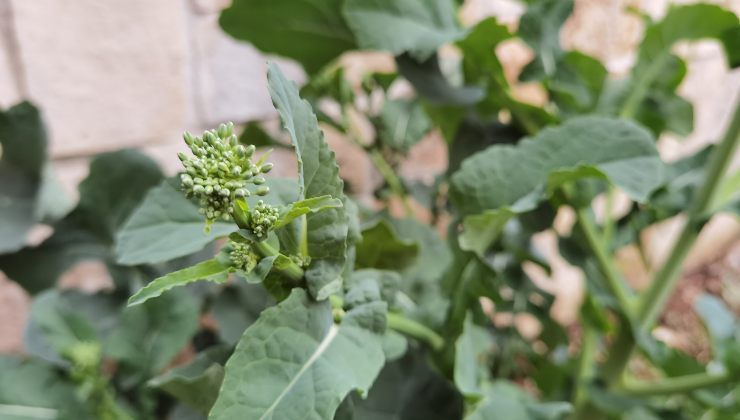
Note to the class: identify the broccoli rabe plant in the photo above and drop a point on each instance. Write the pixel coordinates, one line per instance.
(404, 302)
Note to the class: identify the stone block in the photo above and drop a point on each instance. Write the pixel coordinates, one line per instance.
(230, 76)
(106, 74)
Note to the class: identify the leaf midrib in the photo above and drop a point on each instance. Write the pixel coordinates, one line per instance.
(323, 345)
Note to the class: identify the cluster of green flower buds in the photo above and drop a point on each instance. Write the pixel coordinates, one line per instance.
(85, 356)
(220, 170)
(242, 256)
(261, 218)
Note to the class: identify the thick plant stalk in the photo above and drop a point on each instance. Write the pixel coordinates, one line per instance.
(665, 280)
(654, 299)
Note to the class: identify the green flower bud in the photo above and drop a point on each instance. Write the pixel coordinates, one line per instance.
(182, 156)
(250, 150)
(263, 190)
(224, 130)
(267, 167)
(259, 180)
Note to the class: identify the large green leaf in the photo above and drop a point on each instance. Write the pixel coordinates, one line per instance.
(35, 390)
(165, 226)
(59, 320)
(294, 362)
(116, 184)
(417, 27)
(312, 32)
(196, 384)
(22, 159)
(505, 180)
(472, 351)
(210, 270)
(380, 247)
(318, 175)
(150, 335)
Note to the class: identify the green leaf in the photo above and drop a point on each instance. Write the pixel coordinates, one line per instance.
(519, 177)
(421, 280)
(417, 27)
(717, 317)
(150, 335)
(577, 83)
(312, 32)
(402, 124)
(117, 183)
(482, 67)
(30, 389)
(38, 268)
(237, 307)
(394, 345)
(408, 389)
(287, 364)
(540, 27)
(166, 225)
(655, 65)
(432, 85)
(196, 383)
(480, 230)
(472, 351)
(23, 156)
(503, 181)
(382, 248)
(210, 270)
(318, 175)
(309, 205)
(506, 401)
(59, 320)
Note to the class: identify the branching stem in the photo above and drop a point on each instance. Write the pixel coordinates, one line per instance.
(414, 329)
(665, 280)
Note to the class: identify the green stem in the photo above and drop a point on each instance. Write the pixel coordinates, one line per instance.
(642, 85)
(288, 268)
(303, 244)
(665, 280)
(608, 218)
(611, 274)
(681, 384)
(619, 355)
(414, 329)
(390, 177)
(589, 341)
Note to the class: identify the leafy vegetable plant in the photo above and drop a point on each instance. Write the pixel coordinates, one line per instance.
(328, 308)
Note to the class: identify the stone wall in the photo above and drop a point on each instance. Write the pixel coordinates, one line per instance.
(136, 73)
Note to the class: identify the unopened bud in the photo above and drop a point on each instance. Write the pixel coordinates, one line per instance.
(250, 150)
(259, 180)
(267, 167)
(264, 190)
